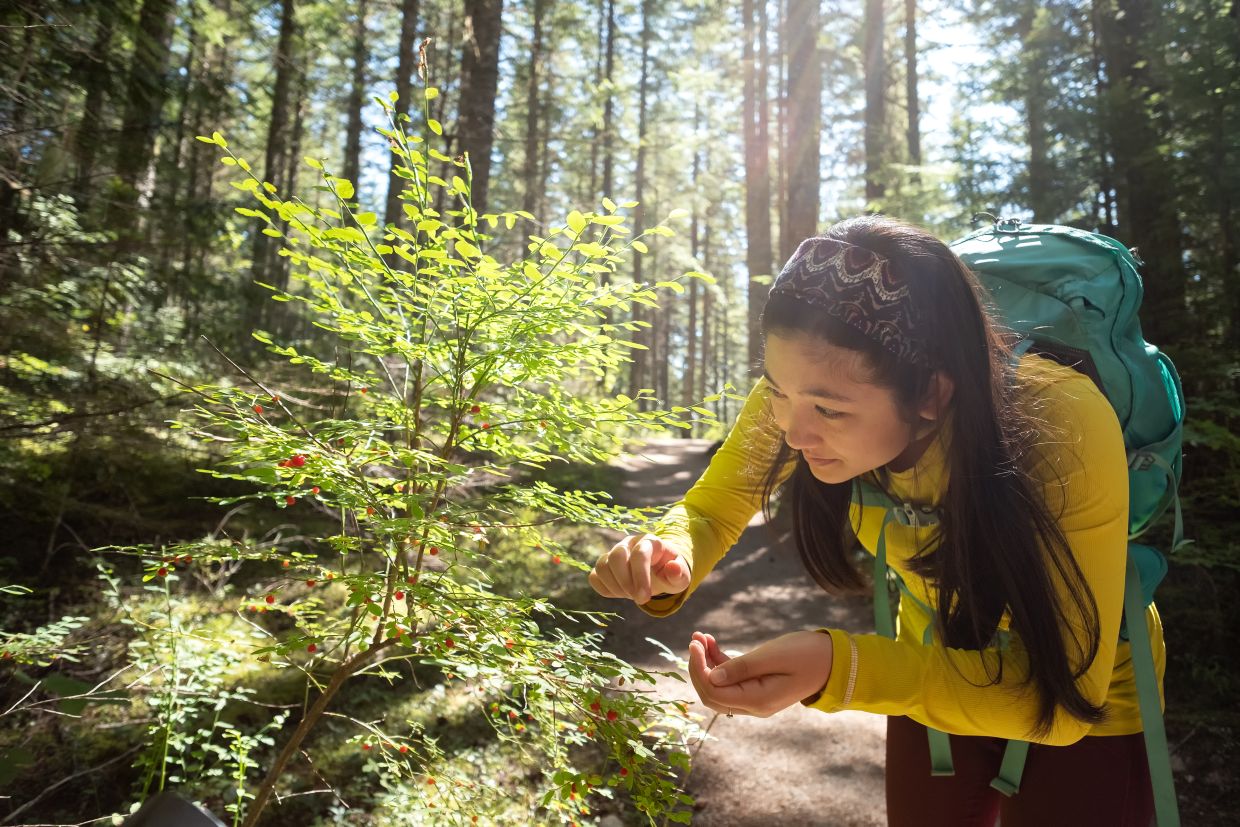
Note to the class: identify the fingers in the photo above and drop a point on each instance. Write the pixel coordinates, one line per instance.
(628, 569)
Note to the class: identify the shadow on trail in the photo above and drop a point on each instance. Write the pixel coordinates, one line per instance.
(801, 766)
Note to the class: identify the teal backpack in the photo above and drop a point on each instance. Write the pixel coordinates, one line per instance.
(1073, 297)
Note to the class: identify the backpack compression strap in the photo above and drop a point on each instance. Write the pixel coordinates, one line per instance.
(909, 515)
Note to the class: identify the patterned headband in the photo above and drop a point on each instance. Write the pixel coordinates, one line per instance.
(859, 288)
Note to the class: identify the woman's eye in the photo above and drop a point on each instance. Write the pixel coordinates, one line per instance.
(828, 413)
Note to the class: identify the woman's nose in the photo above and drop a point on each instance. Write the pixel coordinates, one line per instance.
(799, 436)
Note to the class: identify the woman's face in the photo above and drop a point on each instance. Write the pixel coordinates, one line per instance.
(823, 398)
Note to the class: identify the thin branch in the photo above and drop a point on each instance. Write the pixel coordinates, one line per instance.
(48, 790)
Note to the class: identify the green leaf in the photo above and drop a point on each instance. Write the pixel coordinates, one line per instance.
(366, 219)
(609, 205)
(344, 188)
(467, 250)
(431, 93)
(576, 221)
(219, 140)
(671, 285)
(352, 234)
(435, 126)
(640, 246)
(313, 163)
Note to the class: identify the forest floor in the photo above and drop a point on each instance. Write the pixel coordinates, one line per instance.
(797, 767)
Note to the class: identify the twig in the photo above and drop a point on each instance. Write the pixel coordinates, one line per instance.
(66, 780)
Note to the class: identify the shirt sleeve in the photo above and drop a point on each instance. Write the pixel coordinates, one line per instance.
(707, 522)
(1084, 474)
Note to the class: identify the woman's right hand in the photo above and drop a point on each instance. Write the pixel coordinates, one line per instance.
(639, 566)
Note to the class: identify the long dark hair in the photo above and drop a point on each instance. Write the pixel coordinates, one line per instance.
(998, 545)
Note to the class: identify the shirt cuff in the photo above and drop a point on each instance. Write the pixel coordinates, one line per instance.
(837, 693)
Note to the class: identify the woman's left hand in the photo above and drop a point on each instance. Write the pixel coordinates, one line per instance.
(770, 678)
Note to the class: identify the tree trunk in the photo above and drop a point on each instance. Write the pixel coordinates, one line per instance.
(531, 172)
(1106, 201)
(641, 358)
(273, 161)
(804, 123)
(910, 87)
(407, 58)
(757, 183)
(781, 138)
(1146, 196)
(875, 101)
(1033, 89)
(479, 83)
(695, 250)
(97, 68)
(608, 150)
(357, 96)
(144, 103)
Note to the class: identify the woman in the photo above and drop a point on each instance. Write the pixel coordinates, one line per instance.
(882, 366)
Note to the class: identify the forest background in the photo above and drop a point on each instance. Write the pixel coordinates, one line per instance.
(125, 271)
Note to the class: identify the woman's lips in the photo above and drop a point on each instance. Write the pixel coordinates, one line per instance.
(817, 460)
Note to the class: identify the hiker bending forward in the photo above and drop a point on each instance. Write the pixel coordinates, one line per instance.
(883, 367)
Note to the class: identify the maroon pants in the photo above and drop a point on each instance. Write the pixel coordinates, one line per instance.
(1100, 781)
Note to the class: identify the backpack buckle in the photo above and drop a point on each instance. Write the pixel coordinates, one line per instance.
(915, 517)
(1140, 461)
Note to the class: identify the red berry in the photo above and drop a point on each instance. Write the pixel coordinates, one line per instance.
(486, 425)
(556, 559)
(475, 409)
(290, 500)
(275, 399)
(477, 529)
(430, 780)
(331, 575)
(611, 715)
(187, 559)
(433, 550)
(404, 748)
(508, 644)
(449, 642)
(258, 409)
(284, 563)
(297, 461)
(511, 714)
(595, 706)
(282, 464)
(310, 583)
(312, 648)
(400, 595)
(366, 746)
(314, 490)
(163, 571)
(542, 424)
(362, 390)
(411, 579)
(623, 772)
(370, 509)
(271, 598)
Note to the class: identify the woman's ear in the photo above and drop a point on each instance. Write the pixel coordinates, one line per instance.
(938, 397)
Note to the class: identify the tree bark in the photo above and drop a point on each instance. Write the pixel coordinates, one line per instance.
(357, 96)
(97, 67)
(1033, 90)
(757, 183)
(875, 100)
(1148, 218)
(641, 358)
(910, 87)
(407, 59)
(531, 172)
(479, 83)
(274, 158)
(144, 102)
(804, 123)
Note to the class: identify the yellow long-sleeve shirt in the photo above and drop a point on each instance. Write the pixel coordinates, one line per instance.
(1083, 471)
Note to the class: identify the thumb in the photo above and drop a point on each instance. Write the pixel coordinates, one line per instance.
(674, 572)
(740, 669)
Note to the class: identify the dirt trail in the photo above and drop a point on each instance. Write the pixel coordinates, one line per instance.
(801, 766)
